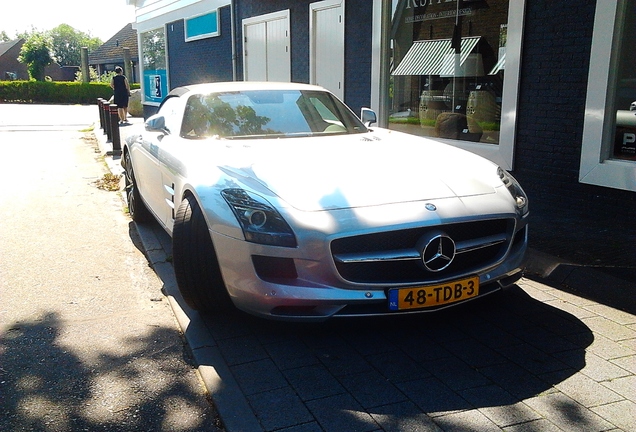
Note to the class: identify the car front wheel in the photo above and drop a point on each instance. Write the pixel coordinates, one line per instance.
(194, 259)
(136, 207)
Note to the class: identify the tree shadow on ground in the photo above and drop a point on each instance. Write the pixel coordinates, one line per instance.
(142, 384)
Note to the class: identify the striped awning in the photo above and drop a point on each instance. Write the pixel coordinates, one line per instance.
(431, 57)
(501, 65)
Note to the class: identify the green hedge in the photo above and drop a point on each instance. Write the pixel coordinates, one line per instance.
(54, 92)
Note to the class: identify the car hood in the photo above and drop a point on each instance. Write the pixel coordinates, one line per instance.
(347, 171)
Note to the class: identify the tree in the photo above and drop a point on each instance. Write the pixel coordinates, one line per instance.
(4, 37)
(67, 44)
(27, 33)
(36, 54)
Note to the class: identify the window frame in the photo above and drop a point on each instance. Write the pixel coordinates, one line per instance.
(596, 167)
(216, 33)
(503, 153)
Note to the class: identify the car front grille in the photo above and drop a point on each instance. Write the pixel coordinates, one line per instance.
(394, 258)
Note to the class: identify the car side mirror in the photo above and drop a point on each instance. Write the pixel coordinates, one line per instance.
(156, 123)
(368, 117)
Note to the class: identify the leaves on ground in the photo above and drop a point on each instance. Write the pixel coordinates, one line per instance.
(110, 182)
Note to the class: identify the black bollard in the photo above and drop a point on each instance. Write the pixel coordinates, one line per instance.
(101, 113)
(107, 126)
(114, 125)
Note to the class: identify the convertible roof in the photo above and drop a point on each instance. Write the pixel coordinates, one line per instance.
(241, 85)
(179, 91)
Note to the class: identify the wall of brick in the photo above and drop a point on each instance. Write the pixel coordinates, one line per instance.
(9, 63)
(358, 54)
(204, 60)
(555, 65)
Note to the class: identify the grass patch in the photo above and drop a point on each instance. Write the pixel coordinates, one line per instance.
(489, 126)
(405, 120)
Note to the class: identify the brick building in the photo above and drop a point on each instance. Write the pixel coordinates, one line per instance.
(11, 69)
(111, 53)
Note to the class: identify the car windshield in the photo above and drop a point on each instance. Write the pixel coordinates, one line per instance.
(267, 114)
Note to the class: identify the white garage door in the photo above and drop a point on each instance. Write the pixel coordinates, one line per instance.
(327, 45)
(266, 48)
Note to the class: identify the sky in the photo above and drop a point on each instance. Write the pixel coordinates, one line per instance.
(99, 18)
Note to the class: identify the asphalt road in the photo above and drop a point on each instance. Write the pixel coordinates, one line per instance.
(87, 340)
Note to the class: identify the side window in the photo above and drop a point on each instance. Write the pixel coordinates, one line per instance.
(334, 125)
(169, 110)
(324, 112)
(194, 123)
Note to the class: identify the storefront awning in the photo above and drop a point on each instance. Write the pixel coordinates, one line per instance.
(432, 57)
(501, 65)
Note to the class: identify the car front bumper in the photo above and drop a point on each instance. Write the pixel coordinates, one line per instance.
(296, 285)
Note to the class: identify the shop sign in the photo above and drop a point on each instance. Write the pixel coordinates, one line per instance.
(625, 143)
(438, 15)
(420, 3)
(452, 13)
(625, 137)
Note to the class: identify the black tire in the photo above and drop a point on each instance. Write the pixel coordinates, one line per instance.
(195, 263)
(136, 207)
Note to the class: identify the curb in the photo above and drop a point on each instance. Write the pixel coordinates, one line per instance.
(617, 283)
(219, 382)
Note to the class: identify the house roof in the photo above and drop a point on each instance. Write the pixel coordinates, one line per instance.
(6, 46)
(112, 50)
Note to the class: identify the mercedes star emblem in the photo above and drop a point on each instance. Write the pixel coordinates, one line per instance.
(438, 253)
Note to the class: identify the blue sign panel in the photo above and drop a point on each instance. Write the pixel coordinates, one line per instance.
(155, 85)
(202, 26)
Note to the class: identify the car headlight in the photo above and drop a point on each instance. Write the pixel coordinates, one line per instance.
(513, 186)
(260, 222)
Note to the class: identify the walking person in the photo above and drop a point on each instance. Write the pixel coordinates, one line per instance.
(121, 88)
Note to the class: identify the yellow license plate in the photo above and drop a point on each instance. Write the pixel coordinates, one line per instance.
(433, 295)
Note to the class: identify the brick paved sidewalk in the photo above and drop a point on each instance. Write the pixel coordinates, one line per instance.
(533, 359)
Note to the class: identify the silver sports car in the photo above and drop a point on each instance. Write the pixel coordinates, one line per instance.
(282, 203)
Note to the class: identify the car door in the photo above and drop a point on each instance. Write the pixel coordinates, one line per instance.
(170, 171)
(152, 154)
(144, 153)
(167, 164)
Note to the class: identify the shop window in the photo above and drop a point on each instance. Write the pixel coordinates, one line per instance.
(608, 156)
(455, 72)
(153, 51)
